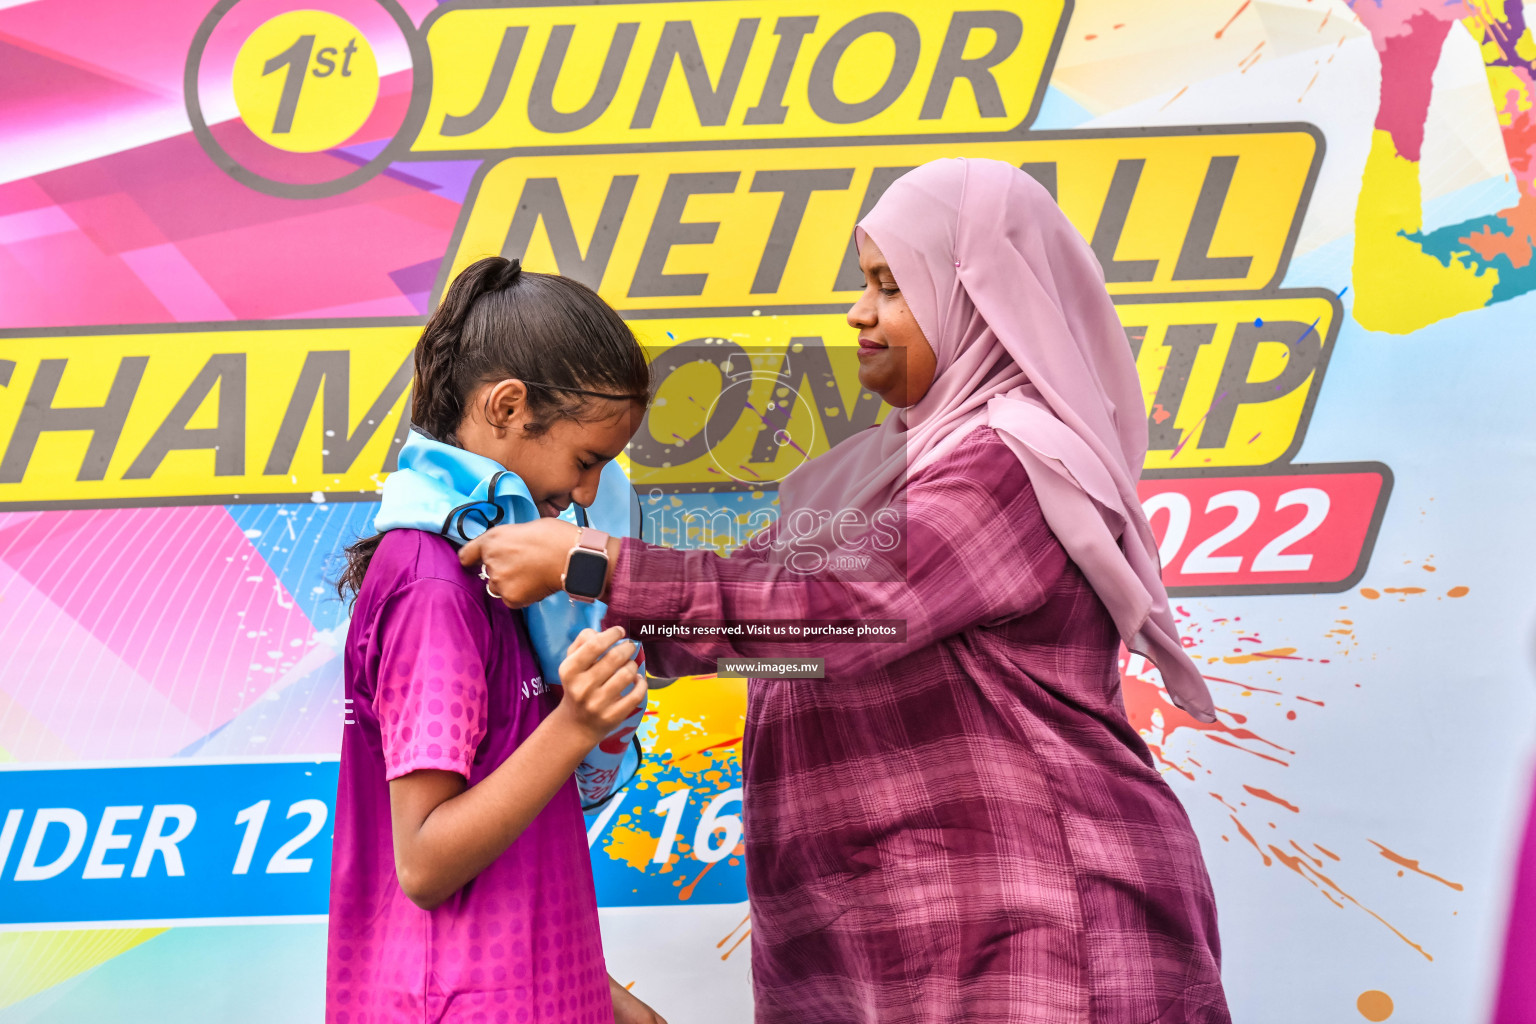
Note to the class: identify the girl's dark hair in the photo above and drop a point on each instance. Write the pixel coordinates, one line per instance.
(498, 322)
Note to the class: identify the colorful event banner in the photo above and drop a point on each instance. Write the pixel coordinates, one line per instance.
(191, 841)
(178, 841)
(222, 226)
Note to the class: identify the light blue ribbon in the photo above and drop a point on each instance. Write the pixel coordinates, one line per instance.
(457, 494)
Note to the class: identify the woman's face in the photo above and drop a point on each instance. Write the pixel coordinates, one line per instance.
(895, 360)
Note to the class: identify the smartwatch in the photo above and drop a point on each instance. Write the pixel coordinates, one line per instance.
(586, 567)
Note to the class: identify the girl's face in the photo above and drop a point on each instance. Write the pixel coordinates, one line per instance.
(895, 360)
(561, 464)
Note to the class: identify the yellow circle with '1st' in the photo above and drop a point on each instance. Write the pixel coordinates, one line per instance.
(305, 81)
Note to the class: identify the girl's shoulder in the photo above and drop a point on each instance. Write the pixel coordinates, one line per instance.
(406, 556)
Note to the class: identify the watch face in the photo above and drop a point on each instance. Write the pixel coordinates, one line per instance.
(585, 572)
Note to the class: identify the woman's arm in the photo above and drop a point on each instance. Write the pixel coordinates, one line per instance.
(445, 832)
(977, 550)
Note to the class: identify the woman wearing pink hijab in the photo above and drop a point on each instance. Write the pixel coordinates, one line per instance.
(962, 825)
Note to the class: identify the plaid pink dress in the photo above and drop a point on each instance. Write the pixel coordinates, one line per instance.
(963, 826)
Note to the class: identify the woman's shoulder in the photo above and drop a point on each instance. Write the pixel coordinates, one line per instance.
(404, 557)
(981, 470)
(983, 439)
(980, 456)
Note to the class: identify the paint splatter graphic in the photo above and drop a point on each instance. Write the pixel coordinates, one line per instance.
(1474, 263)
(745, 931)
(1251, 719)
(1374, 1005)
(675, 835)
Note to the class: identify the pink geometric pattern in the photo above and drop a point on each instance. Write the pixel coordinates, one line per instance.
(132, 632)
(173, 280)
(62, 679)
(132, 222)
(160, 234)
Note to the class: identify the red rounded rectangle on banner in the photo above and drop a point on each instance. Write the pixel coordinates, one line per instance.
(1295, 529)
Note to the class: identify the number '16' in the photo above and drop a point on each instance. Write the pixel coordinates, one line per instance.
(674, 805)
(282, 862)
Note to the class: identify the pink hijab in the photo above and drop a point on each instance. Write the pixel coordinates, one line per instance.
(1027, 342)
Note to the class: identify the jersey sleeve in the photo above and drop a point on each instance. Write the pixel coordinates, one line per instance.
(432, 695)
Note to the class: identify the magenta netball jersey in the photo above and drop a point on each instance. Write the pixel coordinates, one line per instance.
(439, 675)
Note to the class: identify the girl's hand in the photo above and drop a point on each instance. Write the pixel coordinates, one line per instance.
(524, 560)
(595, 679)
(628, 1009)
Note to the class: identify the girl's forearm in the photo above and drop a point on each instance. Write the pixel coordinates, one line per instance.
(463, 834)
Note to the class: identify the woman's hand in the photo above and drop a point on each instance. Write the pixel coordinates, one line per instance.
(524, 561)
(628, 1009)
(595, 674)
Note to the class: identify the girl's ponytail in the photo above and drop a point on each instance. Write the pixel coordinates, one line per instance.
(436, 404)
(498, 322)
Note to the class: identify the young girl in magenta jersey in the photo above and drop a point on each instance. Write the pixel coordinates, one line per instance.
(461, 888)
